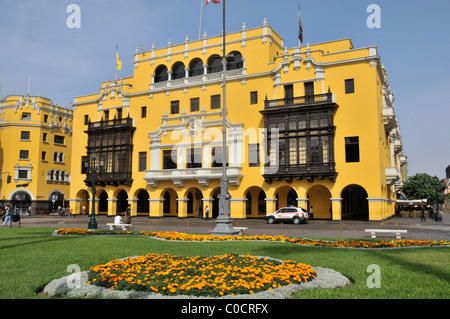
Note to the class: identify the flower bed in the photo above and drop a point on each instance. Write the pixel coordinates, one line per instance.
(199, 276)
(279, 238)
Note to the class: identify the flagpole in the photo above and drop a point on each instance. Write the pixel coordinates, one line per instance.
(201, 18)
(117, 52)
(224, 222)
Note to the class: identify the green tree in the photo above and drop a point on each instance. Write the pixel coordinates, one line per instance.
(421, 186)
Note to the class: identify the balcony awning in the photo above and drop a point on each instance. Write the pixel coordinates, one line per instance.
(412, 202)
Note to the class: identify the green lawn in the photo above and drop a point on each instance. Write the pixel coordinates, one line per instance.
(32, 257)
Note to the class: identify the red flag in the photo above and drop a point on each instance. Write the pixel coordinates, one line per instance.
(213, 1)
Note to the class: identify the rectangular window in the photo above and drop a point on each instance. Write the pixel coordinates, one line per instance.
(143, 112)
(142, 161)
(23, 174)
(289, 93)
(315, 150)
(352, 149)
(254, 97)
(325, 149)
(58, 139)
(309, 89)
(349, 86)
(83, 167)
(44, 155)
(26, 116)
(45, 118)
(174, 107)
(194, 157)
(86, 119)
(195, 104)
(170, 159)
(23, 155)
(106, 113)
(293, 151)
(253, 155)
(119, 113)
(44, 137)
(25, 135)
(302, 151)
(215, 101)
(216, 156)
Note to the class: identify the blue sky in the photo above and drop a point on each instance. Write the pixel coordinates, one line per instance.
(413, 41)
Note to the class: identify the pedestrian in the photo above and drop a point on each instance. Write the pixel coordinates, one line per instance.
(83, 210)
(207, 212)
(422, 213)
(311, 213)
(128, 214)
(8, 216)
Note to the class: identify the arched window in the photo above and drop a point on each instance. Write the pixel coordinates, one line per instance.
(161, 74)
(57, 176)
(52, 174)
(215, 64)
(178, 71)
(196, 67)
(61, 157)
(55, 157)
(234, 61)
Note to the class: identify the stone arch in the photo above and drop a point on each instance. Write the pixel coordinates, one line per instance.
(215, 64)
(102, 197)
(196, 67)
(161, 74)
(82, 199)
(355, 205)
(255, 205)
(195, 202)
(170, 205)
(286, 196)
(178, 70)
(142, 203)
(319, 198)
(235, 60)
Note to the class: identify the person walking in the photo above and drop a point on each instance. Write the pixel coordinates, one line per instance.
(207, 212)
(311, 213)
(8, 216)
(422, 213)
(128, 214)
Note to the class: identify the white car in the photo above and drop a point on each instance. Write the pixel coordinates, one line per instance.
(296, 215)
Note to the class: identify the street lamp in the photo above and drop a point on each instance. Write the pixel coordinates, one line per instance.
(224, 222)
(93, 169)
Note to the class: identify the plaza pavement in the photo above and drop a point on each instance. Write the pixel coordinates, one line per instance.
(417, 229)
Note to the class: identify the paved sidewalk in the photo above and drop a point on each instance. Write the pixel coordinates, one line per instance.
(417, 229)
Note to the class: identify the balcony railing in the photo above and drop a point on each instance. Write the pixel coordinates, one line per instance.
(300, 171)
(126, 121)
(202, 175)
(298, 100)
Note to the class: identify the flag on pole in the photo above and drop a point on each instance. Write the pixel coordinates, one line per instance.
(213, 1)
(118, 62)
(300, 26)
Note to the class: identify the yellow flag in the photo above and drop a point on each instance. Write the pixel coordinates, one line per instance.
(119, 63)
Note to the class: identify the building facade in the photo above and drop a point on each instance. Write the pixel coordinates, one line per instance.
(310, 126)
(35, 154)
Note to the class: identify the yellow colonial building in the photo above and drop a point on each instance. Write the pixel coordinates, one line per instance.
(35, 153)
(310, 126)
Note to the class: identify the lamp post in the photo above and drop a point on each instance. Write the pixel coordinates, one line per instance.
(93, 169)
(224, 222)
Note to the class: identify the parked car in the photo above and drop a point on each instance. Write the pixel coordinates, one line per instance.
(295, 215)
